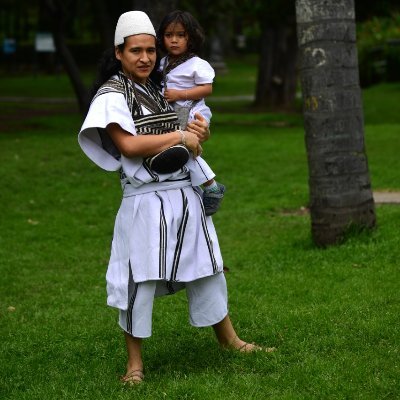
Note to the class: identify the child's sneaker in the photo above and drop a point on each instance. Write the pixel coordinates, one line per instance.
(212, 199)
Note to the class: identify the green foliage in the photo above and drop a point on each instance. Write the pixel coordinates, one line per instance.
(378, 41)
(381, 104)
(365, 9)
(332, 314)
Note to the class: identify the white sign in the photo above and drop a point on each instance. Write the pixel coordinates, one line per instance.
(44, 42)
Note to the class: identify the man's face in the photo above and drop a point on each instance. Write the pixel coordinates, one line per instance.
(138, 57)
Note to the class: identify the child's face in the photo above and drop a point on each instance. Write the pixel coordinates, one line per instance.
(175, 39)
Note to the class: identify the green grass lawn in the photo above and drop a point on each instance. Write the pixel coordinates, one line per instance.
(332, 314)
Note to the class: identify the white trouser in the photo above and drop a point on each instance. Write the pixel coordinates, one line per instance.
(207, 298)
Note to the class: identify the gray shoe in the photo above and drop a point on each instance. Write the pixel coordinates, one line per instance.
(212, 200)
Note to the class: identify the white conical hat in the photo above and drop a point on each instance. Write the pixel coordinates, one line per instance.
(132, 23)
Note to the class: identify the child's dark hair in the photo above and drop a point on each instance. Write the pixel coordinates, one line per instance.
(192, 27)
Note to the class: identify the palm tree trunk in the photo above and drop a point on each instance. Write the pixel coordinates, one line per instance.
(340, 188)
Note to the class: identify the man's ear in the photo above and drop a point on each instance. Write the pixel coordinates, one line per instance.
(117, 54)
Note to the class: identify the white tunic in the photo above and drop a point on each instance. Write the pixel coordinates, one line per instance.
(161, 231)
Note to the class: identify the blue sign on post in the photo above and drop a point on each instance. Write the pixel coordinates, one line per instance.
(9, 46)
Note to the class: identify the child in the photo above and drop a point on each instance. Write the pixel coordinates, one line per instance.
(187, 79)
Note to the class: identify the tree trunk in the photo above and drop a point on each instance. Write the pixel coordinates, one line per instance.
(104, 22)
(156, 9)
(276, 83)
(340, 189)
(56, 12)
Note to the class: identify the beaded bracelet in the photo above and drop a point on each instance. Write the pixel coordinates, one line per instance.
(183, 137)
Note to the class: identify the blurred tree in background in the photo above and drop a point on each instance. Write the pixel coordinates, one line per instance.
(57, 16)
(277, 49)
(379, 49)
(83, 29)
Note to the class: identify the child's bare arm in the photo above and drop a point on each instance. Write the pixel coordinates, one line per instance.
(195, 93)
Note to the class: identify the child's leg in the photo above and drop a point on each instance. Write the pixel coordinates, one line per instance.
(202, 174)
(212, 196)
(200, 171)
(209, 183)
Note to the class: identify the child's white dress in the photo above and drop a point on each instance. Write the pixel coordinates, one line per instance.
(190, 73)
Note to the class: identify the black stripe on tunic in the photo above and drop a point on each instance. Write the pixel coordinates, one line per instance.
(207, 236)
(166, 116)
(130, 309)
(150, 172)
(186, 178)
(180, 236)
(162, 255)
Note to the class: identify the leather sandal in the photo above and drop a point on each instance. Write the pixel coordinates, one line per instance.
(133, 377)
(249, 347)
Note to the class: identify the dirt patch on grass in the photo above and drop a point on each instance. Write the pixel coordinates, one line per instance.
(22, 116)
(380, 197)
(386, 197)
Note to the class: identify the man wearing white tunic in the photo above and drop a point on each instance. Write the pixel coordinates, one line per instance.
(163, 241)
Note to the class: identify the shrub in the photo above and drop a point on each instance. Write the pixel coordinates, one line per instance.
(378, 42)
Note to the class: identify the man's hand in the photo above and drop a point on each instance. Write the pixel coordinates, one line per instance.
(199, 127)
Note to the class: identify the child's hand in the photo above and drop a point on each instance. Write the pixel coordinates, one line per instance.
(172, 95)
